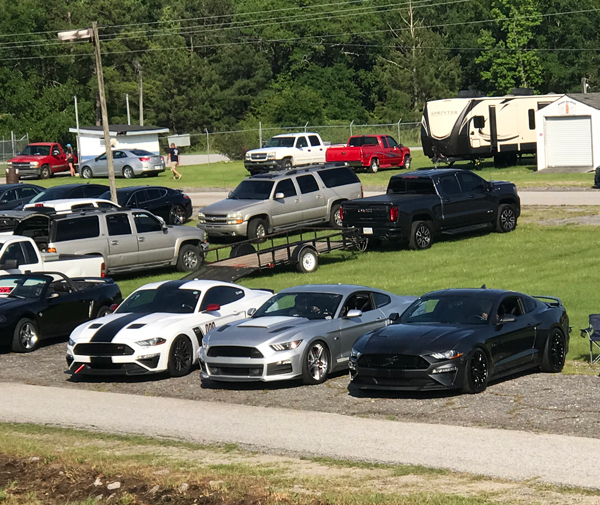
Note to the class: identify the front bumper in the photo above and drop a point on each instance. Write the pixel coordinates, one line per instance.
(224, 230)
(258, 167)
(103, 361)
(27, 171)
(283, 365)
(439, 375)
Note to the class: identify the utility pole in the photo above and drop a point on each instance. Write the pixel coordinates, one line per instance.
(138, 68)
(92, 34)
(127, 101)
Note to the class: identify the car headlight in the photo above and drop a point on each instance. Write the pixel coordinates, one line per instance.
(271, 155)
(355, 354)
(201, 218)
(72, 342)
(204, 344)
(151, 342)
(446, 355)
(9, 164)
(234, 218)
(248, 156)
(34, 164)
(286, 346)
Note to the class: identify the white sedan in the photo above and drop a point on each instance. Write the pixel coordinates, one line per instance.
(158, 328)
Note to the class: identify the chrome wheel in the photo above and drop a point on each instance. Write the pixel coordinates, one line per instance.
(128, 173)
(177, 215)
(407, 161)
(337, 218)
(374, 166)
(28, 336)
(190, 259)
(317, 362)
(260, 231)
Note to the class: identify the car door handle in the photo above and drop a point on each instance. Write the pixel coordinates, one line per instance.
(297, 200)
(319, 197)
(471, 197)
(380, 318)
(114, 242)
(141, 239)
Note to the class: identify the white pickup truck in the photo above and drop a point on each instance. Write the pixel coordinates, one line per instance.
(286, 151)
(20, 254)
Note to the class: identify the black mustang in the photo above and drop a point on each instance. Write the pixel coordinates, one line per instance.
(43, 305)
(460, 339)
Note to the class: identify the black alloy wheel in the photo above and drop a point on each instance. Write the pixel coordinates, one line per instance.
(180, 357)
(554, 352)
(26, 336)
(421, 236)
(507, 218)
(177, 215)
(476, 372)
(287, 164)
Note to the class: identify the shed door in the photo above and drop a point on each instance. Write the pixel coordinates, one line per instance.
(568, 141)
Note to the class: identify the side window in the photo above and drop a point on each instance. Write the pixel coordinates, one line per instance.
(82, 206)
(392, 142)
(102, 157)
(307, 184)
(140, 196)
(107, 205)
(221, 295)
(153, 194)
(301, 142)
(510, 306)
(384, 142)
(314, 140)
(9, 196)
(145, 223)
(118, 224)
(529, 303)
(13, 252)
(93, 191)
(358, 301)
(449, 185)
(31, 256)
(77, 193)
(119, 154)
(77, 228)
(334, 177)
(27, 192)
(478, 122)
(381, 300)
(470, 182)
(531, 114)
(286, 187)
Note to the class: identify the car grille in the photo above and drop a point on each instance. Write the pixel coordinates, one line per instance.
(393, 361)
(216, 218)
(21, 165)
(102, 349)
(238, 371)
(259, 156)
(233, 351)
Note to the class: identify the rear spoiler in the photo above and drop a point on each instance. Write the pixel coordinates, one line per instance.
(550, 300)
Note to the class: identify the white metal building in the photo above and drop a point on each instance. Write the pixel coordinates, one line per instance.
(91, 139)
(568, 133)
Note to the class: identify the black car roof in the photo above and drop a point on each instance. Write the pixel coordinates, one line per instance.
(429, 172)
(131, 189)
(488, 293)
(6, 187)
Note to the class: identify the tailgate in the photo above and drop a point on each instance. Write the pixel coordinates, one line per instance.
(366, 212)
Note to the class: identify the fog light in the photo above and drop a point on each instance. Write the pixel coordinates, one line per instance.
(445, 369)
(284, 362)
(255, 371)
(149, 356)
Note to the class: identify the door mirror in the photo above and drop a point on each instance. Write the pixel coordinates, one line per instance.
(251, 312)
(96, 158)
(354, 313)
(53, 296)
(279, 196)
(393, 317)
(212, 307)
(229, 194)
(163, 225)
(55, 153)
(507, 318)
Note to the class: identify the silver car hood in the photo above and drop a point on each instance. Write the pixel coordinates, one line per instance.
(265, 330)
(230, 205)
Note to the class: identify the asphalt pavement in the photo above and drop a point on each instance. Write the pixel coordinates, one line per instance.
(513, 455)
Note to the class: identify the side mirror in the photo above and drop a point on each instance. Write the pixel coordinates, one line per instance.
(212, 307)
(55, 153)
(162, 222)
(229, 194)
(507, 318)
(393, 317)
(354, 313)
(251, 311)
(279, 196)
(18, 153)
(10, 265)
(53, 296)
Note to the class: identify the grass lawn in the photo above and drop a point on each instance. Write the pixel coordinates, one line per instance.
(228, 175)
(558, 261)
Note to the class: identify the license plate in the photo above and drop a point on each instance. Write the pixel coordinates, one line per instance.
(367, 231)
(157, 167)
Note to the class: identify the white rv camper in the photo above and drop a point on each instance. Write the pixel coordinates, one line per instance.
(473, 127)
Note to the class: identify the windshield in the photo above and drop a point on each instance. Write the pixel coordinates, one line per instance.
(308, 305)
(36, 151)
(406, 185)
(19, 287)
(281, 142)
(170, 300)
(252, 190)
(449, 310)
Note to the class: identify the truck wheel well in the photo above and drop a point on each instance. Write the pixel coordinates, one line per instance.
(340, 201)
(421, 217)
(264, 217)
(508, 201)
(194, 242)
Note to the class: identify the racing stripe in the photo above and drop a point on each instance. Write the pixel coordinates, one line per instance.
(110, 330)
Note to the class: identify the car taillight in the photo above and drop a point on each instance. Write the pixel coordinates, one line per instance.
(394, 214)
(103, 270)
(39, 204)
(185, 197)
(145, 159)
(162, 159)
(341, 213)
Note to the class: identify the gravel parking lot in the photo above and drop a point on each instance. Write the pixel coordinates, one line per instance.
(561, 404)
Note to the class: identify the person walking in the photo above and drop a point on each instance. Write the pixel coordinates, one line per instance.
(71, 160)
(173, 156)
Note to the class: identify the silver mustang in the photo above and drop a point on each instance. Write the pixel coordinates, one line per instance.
(305, 331)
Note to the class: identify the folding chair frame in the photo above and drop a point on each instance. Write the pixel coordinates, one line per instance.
(594, 341)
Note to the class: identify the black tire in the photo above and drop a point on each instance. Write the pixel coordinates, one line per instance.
(407, 162)
(45, 172)
(257, 229)
(177, 215)
(476, 372)
(86, 173)
(287, 164)
(181, 357)
(128, 173)
(102, 311)
(374, 166)
(26, 336)
(421, 236)
(335, 220)
(315, 363)
(189, 258)
(308, 261)
(507, 218)
(553, 360)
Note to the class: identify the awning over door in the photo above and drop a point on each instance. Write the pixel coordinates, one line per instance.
(568, 141)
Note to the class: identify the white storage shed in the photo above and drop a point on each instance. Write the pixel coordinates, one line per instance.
(91, 139)
(568, 133)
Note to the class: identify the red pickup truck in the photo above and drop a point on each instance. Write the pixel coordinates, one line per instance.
(41, 159)
(370, 153)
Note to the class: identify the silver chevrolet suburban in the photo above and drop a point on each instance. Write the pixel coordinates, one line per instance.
(127, 239)
(270, 202)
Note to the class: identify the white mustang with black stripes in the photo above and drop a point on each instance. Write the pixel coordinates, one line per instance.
(158, 328)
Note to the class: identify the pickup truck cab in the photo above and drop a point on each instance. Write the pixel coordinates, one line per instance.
(20, 254)
(286, 151)
(41, 160)
(418, 205)
(370, 153)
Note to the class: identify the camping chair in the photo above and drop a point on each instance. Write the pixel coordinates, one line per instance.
(593, 334)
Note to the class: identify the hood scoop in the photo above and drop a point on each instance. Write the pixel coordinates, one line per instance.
(267, 321)
(136, 326)
(95, 326)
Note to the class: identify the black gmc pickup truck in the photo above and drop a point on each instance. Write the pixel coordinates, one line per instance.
(418, 205)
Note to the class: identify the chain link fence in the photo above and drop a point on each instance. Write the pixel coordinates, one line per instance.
(235, 143)
(10, 147)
